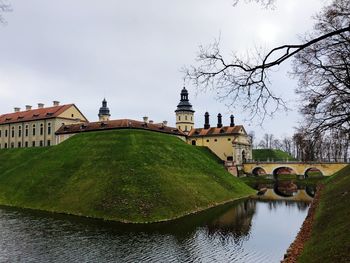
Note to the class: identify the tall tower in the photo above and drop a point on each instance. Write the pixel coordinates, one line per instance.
(184, 113)
(103, 113)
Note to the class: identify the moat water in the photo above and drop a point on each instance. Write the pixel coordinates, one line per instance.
(244, 231)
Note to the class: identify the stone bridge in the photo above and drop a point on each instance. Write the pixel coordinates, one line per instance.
(300, 168)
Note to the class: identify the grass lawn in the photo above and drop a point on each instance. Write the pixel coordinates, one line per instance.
(330, 238)
(122, 175)
(271, 154)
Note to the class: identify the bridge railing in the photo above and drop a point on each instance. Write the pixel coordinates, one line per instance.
(268, 160)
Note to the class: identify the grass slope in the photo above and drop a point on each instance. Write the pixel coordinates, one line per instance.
(123, 175)
(330, 238)
(271, 154)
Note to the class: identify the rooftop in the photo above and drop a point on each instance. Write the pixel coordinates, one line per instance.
(117, 124)
(34, 114)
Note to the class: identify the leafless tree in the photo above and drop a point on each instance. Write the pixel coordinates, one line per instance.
(4, 7)
(324, 72)
(245, 81)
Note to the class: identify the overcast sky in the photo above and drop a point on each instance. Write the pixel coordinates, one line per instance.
(132, 52)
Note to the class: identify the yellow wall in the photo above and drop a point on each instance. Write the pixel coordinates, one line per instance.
(327, 169)
(184, 121)
(225, 146)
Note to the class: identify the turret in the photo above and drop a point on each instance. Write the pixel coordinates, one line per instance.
(206, 121)
(219, 121)
(232, 122)
(103, 113)
(184, 113)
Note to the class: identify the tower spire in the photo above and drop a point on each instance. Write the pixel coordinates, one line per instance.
(104, 113)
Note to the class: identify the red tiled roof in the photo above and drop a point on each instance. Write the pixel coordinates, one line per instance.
(34, 114)
(117, 124)
(214, 131)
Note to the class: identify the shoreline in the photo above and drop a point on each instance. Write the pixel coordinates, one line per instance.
(131, 222)
(296, 248)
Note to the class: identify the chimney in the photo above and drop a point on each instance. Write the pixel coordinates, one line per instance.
(28, 107)
(56, 103)
(232, 122)
(219, 121)
(17, 109)
(206, 121)
(40, 105)
(165, 123)
(145, 119)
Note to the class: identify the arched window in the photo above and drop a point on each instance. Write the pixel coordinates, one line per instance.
(244, 157)
(41, 129)
(26, 131)
(19, 131)
(33, 131)
(49, 128)
(12, 133)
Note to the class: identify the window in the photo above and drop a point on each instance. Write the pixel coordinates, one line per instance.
(19, 131)
(186, 117)
(6, 132)
(26, 144)
(72, 115)
(41, 129)
(13, 132)
(207, 140)
(41, 143)
(193, 142)
(33, 133)
(6, 145)
(179, 118)
(33, 143)
(215, 140)
(191, 118)
(12, 145)
(49, 128)
(26, 131)
(19, 145)
(48, 143)
(0, 133)
(229, 139)
(185, 127)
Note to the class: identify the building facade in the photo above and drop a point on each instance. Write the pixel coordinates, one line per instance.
(230, 143)
(36, 127)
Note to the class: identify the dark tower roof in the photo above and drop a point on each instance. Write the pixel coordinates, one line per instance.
(184, 104)
(104, 110)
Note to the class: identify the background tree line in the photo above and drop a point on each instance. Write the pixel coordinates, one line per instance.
(333, 146)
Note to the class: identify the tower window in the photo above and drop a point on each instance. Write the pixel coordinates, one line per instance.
(186, 117)
(179, 118)
(207, 140)
(49, 128)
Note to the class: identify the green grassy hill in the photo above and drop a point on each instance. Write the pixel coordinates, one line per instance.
(123, 175)
(271, 154)
(330, 237)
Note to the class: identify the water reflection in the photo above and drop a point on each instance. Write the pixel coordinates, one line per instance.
(237, 232)
(285, 190)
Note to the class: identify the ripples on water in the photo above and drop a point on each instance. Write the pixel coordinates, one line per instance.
(246, 231)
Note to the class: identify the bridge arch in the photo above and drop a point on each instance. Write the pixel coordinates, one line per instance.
(258, 171)
(315, 170)
(283, 170)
